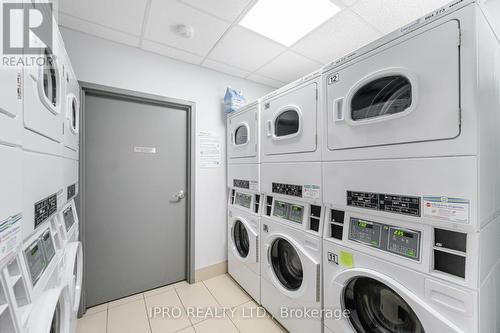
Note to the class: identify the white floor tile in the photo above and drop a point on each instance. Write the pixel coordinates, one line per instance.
(226, 291)
(196, 296)
(93, 323)
(166, 288)
(125, 300)
(96, 309)
(250, 318)
(172, 317)
(216, 326)
(128, 318)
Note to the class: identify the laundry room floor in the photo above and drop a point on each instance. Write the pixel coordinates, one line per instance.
(215, 305)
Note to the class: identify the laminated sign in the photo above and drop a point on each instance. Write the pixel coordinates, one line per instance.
(445, 208)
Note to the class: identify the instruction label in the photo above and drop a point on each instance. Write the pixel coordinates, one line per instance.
(311, 191)
(254, 185)
(10, 235)
(447, 209)
(210, 146)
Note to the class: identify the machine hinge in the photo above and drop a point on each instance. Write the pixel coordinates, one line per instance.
(19, 87)
(257, 248)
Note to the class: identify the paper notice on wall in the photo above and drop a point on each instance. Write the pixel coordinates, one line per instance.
(10, 235)
(210, 146)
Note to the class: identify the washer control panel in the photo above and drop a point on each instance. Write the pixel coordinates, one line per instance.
(69, 218)
(243, 200)
(38, 255)
(288, 211)
(400, 241)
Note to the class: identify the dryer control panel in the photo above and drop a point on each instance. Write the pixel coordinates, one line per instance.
(400, 241)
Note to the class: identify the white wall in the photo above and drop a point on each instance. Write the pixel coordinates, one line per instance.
(103, 62)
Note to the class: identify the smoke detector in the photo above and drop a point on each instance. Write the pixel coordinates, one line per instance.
(185, 31)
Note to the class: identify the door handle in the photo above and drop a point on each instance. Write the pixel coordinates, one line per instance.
(179, 196)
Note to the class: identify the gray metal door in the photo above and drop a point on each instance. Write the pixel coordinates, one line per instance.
(136, 226)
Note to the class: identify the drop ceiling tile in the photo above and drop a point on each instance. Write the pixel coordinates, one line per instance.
(171, 52)
(342, 34)
(165, 15)
(123, 15)
(288, 67)
(97, 30)
(265, 80)
(389, 15)
(244, 49)
(228, 10)
(225, 68)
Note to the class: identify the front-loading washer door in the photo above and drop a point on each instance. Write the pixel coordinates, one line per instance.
(376, 308)
(244, 241)
(286, 264)
(407, 93)
(292, 270)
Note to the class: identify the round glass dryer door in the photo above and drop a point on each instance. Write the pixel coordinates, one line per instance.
(286, 264)
(241, 240)
(376, 308)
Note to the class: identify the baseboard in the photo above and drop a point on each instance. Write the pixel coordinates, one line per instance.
(210, 271)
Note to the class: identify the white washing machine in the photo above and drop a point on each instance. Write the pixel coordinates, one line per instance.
(243, 229)
(13, 292)
(291, 121)
(396, 276)
(243, 141)
(428, 89)
(291, 230)
(43, 86)
(243, 240)
(72, 277)
(44, 258)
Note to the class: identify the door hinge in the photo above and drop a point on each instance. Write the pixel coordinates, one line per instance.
(63, 128)
(317, 94)
(459, 37)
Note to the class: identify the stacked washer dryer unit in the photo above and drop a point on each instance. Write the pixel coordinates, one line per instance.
(412, 149)
(243, 144)
(35, 293)
(68, 218)
(13, 292)
(291, 224)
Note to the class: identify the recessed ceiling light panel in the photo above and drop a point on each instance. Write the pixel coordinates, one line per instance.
(286, 21)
